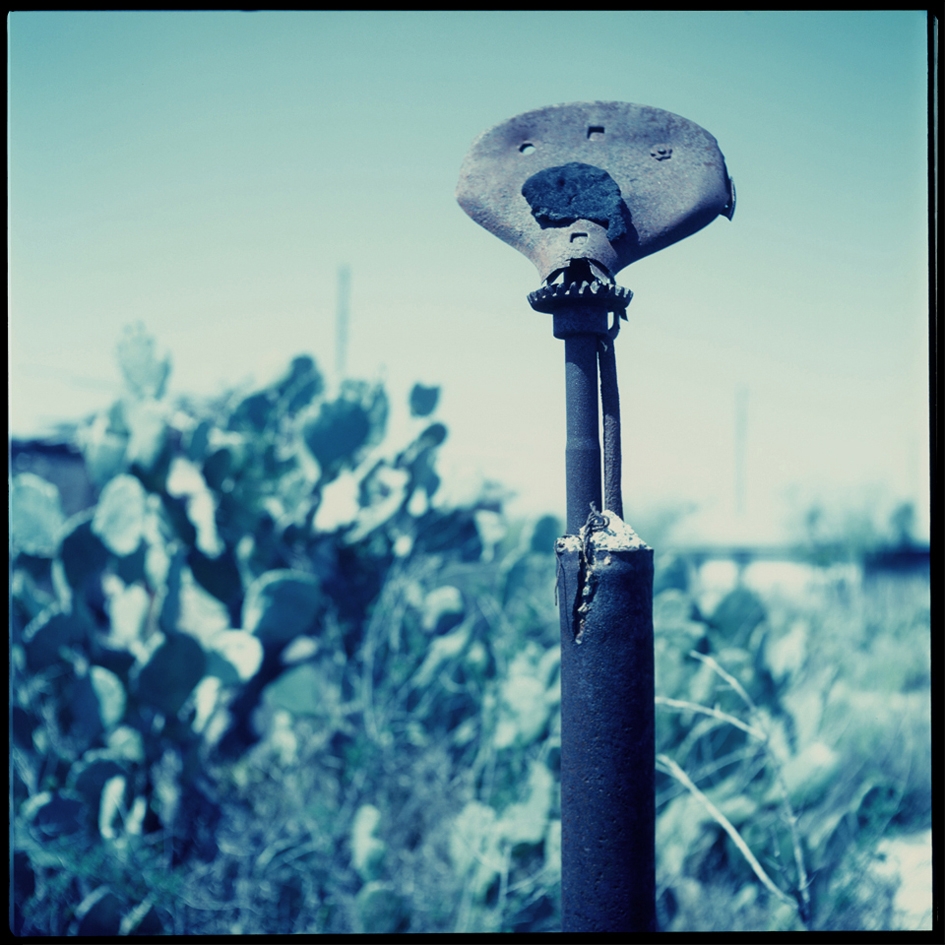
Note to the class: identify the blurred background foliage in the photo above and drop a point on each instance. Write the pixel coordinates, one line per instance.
(230, 717)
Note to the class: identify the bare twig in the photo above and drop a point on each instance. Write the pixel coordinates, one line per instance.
(684, 706)
(730, 679)
(803, 882)
(675, 789)
(668, 766)
(702, 726)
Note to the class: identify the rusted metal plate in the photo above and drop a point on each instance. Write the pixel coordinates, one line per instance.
(610, 182)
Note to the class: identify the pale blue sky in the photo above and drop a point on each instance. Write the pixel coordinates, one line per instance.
(207, 173)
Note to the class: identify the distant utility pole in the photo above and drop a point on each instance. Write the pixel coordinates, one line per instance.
(341, 321)
(741, 448)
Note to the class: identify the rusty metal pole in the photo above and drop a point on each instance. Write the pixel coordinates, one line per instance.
(605, 587)
(608, 867)
(584, 190)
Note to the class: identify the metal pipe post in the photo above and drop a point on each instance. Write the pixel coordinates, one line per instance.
(582, 448)
(608, 855)
(605, 599)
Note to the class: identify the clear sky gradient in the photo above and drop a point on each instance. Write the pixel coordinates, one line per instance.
(208, 173)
